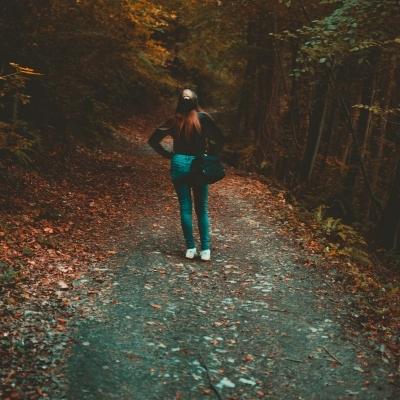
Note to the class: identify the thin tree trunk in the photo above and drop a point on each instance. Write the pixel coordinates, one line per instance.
(368, 122)
(245, 103)
(355, 115)
(388, 232)
(379, 153)
(328, 132)
(316, 129)
(355, 153)
(387, 101)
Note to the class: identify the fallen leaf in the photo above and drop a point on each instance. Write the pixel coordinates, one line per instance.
(62, 285)
(206, 391)
(248, 358)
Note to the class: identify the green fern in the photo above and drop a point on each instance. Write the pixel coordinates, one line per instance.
(344, 238)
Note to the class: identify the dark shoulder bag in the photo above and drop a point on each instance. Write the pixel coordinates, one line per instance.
(206, 168)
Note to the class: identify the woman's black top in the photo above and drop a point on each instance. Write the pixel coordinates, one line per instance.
(194, 145)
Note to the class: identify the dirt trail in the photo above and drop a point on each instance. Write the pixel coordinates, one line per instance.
(252, 324)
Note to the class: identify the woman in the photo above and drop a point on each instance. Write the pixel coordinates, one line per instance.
(190, 128)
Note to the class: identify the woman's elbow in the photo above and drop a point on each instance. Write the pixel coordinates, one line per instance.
(151, 142)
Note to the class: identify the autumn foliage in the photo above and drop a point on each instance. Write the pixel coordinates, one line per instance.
(306, 91)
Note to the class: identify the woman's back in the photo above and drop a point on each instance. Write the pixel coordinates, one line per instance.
(192, 144)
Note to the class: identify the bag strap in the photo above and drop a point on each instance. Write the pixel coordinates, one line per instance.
(206, 142)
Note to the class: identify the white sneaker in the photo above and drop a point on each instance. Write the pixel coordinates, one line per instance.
(205, 255)
(191, 253)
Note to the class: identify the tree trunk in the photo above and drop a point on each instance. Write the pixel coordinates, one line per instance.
(330, 124)
(355, 115)
(316, 129)
(355, 152)
(387, 101)
(368, 122)
(388, 232)
(246, 104)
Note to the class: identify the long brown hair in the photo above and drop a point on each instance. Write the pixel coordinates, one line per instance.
(188, 124)
(187, 120)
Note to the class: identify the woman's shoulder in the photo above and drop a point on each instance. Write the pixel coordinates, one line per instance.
(205, 116)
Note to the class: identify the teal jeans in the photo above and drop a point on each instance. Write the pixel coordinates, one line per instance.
(180, 168)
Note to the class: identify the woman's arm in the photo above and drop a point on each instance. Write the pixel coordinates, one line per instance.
(214, 134)
(157, 136)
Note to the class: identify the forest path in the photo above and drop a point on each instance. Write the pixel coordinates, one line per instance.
(254, 323)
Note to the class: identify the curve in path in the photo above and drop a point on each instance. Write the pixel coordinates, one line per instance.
(251, 324)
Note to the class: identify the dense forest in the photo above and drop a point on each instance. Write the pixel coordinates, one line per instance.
(307, 90)
(301, 295)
